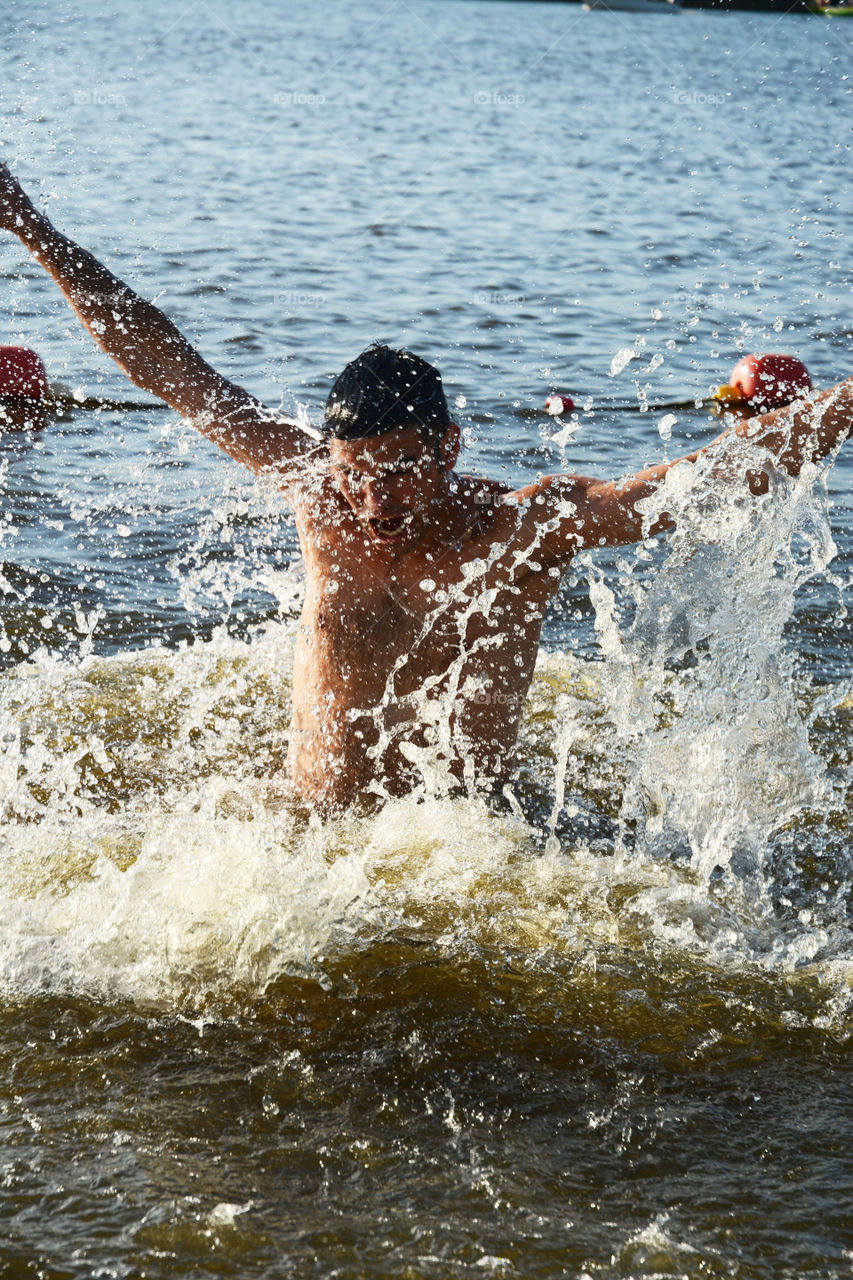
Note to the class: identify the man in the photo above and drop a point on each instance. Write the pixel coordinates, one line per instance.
(425, 591)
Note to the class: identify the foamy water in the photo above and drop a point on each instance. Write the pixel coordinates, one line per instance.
(152, 851)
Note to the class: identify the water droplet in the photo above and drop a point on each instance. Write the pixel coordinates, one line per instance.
(665, 426)
(623, 356)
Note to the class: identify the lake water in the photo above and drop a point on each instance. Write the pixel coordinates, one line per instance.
(607, 1032)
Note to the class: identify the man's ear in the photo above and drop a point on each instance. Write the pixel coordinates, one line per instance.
(449, 448)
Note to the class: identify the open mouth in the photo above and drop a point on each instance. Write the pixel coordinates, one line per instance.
(388, 528)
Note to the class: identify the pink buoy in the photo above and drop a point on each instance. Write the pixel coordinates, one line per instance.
(23, 388)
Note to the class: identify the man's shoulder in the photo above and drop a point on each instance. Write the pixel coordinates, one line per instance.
(483, 484)
(481, 491)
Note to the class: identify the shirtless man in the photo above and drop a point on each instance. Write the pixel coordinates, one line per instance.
(425, 591)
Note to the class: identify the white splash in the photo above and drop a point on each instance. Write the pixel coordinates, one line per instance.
(622, 358)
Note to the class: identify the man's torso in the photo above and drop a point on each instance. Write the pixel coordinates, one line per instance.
(413, 666)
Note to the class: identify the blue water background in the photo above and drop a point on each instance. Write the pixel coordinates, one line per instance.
(517, 191)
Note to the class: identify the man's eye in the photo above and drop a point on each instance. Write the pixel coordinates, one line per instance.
(389, 473)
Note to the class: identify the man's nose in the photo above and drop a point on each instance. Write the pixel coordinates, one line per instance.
(375, 491)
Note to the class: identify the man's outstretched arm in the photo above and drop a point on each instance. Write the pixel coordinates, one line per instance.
(573, 512)
(146, 344)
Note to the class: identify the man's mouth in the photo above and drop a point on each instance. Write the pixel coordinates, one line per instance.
(388, 528)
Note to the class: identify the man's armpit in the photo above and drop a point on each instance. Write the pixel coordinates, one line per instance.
(309, 490)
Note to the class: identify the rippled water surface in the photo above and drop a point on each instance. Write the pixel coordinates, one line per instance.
(603, 1031)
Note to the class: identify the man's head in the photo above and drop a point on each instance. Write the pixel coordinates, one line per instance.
(391, 442)
(384, 390)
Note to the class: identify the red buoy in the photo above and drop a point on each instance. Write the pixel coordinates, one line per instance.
(766, 382)
(557, 405)
(23, 388)
(22, 373)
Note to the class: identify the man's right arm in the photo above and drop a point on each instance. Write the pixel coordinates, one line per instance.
(147, 346)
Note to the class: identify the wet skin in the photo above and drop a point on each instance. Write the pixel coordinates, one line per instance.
(420, 626)
(425, 591)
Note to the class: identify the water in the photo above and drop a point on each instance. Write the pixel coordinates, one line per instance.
(606, 1031)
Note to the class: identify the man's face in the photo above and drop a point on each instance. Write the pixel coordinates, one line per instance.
(391, 482)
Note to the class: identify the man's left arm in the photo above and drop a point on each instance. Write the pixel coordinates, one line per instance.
(805, 431)
(568, 513)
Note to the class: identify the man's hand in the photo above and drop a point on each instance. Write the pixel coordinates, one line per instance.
(14, 201)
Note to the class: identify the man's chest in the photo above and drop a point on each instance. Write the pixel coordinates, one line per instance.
(431, 616)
